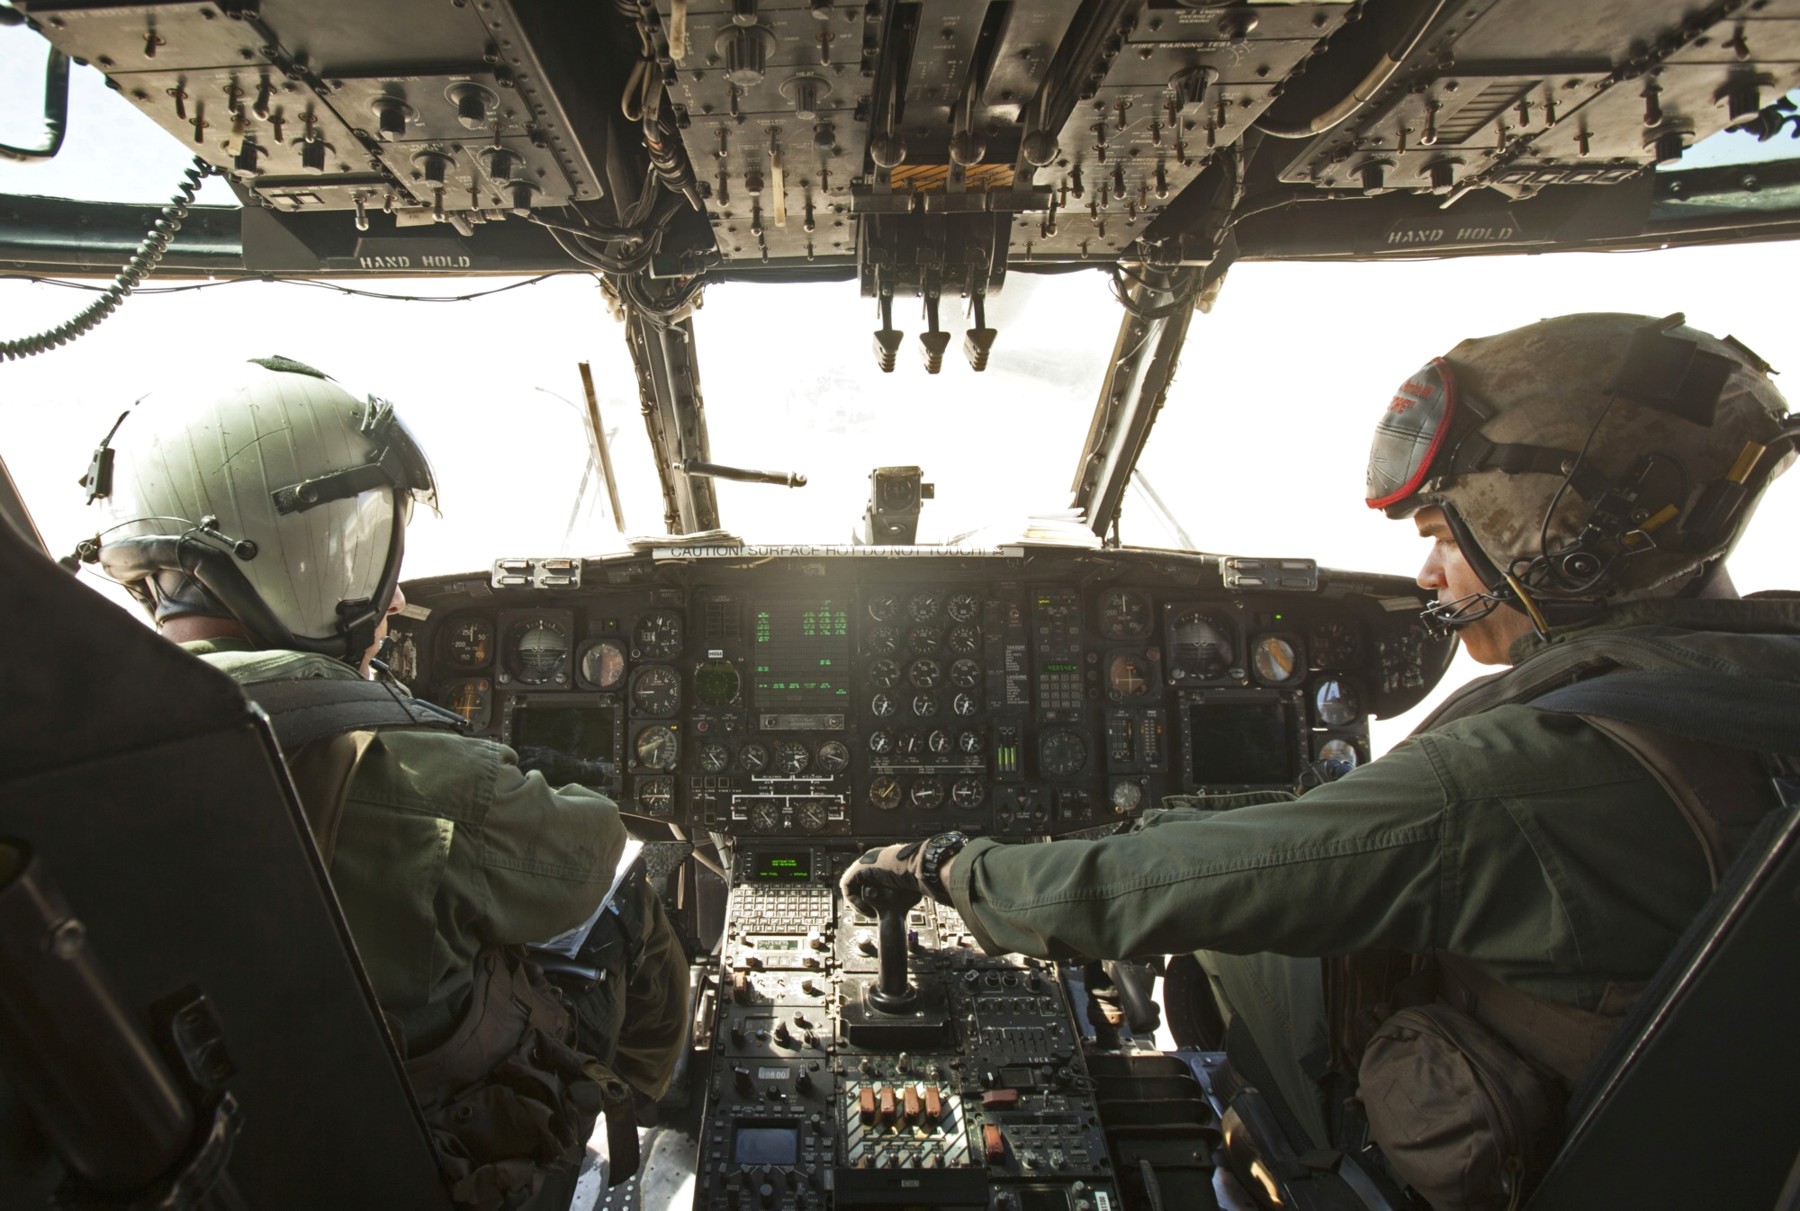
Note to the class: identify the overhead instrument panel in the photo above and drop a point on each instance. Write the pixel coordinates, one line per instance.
(1020, 696)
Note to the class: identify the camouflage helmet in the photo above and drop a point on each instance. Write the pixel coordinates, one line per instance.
(1585, 459)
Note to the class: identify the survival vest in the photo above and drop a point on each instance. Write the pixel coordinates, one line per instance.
(507, 1097)
(1428, 1035)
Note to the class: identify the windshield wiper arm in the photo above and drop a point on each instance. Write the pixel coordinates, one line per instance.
(790, 479)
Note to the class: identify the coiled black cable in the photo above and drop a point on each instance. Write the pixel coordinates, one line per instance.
(143, 262)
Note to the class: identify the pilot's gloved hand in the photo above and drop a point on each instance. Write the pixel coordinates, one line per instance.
(886, 877)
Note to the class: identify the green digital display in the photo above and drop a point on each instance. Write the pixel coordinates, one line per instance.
(783, 866)
(800, 657)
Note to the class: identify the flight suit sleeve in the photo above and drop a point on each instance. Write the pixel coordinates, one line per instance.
(549, 855)
(1358, 862)
(447, 846)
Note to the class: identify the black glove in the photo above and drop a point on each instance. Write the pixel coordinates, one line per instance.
(890, 876)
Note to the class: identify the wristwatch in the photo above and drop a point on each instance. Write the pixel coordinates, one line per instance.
(939, 850)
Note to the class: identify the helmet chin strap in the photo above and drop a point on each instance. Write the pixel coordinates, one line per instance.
(1500, 588)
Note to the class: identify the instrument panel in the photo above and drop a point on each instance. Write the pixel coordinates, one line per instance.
(1029, 693)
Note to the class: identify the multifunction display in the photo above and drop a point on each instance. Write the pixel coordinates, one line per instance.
(801, 656)
(782, 866)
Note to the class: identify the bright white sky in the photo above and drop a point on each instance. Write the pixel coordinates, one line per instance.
(1259, 450)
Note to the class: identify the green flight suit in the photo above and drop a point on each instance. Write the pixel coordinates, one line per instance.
(1525, 841)
(445, 847)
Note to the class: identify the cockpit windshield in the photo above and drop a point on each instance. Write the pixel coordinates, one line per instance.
(791, 386)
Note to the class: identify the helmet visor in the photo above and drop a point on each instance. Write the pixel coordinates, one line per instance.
(401, 454)
(1409, 438)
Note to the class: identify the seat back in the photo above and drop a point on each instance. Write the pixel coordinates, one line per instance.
(1692, 1104)
(154, 796)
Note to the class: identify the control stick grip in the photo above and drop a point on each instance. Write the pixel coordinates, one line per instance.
(893, 991)
(891, 937)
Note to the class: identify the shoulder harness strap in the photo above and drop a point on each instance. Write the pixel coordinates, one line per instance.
(1710, 740)
(324, 725)
(304, 709)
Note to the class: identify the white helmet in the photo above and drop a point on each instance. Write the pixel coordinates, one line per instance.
(265, 492)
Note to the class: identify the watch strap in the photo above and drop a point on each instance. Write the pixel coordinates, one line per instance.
(938, 850)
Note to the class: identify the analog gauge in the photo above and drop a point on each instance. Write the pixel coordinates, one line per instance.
(1339, 752)
(1126, 797)
(963, 607)
(753, 758)
(1275, 660)
(656, 795)
(924, 672)
(791, 757)
(602, 664)
(472, 698)
(540, 651)
(1061, 753)
(883, 607)
(927, 794)
(1200, 646)
(656, 691)
(881, 742)
(925, 607)
(1124, 614)
(1335, 703)
(924, 705)
(967, 792)
(884, 792)
(715, 758)
(965, 704)
(884, 674)
(938, 742)
(471, 643)
(1335, 645)
(883, 641)
(834, 757)
(812, 816)
(965, 674)
(1129, 675)
(969, 743)
(924, 640)
(765, 816)
(883, 706)
(657, 635)
(965, 640)
(909, 744)
(716, 683)
(658, 747)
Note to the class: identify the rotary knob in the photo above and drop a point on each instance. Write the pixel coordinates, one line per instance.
(745, 50)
